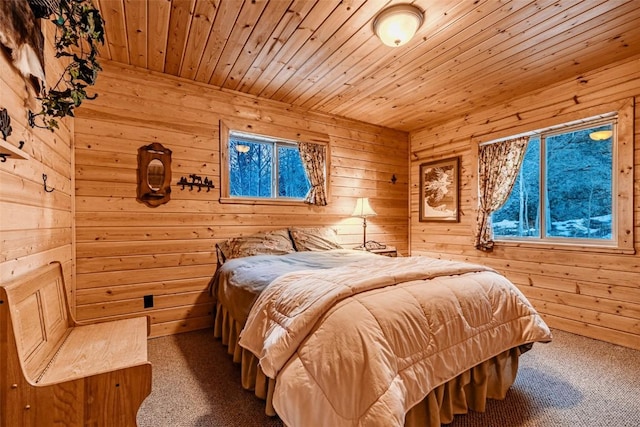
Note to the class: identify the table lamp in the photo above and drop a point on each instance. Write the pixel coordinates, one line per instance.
(363, 210)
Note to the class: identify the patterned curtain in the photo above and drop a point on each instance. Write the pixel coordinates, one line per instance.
(499, 166)
(314, 159)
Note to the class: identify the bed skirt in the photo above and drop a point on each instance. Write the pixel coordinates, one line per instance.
(468, 391)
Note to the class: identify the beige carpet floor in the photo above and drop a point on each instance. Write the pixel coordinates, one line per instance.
(571, 382)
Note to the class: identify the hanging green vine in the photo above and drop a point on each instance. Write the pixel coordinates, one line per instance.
(79, 29)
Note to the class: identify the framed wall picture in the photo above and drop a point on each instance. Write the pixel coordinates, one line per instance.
(439, 190)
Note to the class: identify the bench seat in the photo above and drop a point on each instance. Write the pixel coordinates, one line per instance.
(98, 348)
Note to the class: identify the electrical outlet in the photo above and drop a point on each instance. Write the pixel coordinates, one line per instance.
(148, 301)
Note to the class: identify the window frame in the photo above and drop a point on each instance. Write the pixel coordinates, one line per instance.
(622, 176)
(268, 133)
(543, 190)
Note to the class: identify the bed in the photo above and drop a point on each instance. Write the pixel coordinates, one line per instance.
(337, 337)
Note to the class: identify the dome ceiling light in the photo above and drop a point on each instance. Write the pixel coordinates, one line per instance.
(397, 24)
(601, 135)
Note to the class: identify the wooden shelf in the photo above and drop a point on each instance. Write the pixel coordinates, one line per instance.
(12, 152)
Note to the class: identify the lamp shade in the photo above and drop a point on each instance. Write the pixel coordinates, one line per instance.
(397, 24)
(363, 208)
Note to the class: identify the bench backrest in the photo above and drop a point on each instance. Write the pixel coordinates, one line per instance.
(39, 314)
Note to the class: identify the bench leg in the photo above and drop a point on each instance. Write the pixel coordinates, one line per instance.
(114, 398)
(111, 399)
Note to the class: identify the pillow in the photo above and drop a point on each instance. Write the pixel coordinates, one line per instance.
(275, 242)
(314, 238)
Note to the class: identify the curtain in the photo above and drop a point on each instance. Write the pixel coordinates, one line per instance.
(314, 160)
(499, 165)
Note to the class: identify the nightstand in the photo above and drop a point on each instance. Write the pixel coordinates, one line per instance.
(389, 251)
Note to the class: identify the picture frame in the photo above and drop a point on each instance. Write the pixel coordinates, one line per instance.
(439, 190)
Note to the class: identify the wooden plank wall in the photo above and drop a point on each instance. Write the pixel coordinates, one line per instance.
(126, 250)
(592, 294)
(35, 226)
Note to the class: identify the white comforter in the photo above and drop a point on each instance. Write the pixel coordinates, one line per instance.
(363, 343)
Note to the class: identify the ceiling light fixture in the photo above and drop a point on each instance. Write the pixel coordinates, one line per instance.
(397, 24)
(241, 148)
(601, 135)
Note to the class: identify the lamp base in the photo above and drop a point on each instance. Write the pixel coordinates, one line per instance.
(370, 245)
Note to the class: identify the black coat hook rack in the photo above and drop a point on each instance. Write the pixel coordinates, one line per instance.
(196, 181)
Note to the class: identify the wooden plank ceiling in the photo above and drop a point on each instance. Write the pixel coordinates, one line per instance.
(322, 55)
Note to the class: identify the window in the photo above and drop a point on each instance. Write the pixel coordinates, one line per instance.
(566, 188)
(265, 168)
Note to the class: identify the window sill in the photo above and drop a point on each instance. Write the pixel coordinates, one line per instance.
(565, 247)
(250, 201)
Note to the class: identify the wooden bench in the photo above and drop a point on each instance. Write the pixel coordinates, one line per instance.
(56, 371)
